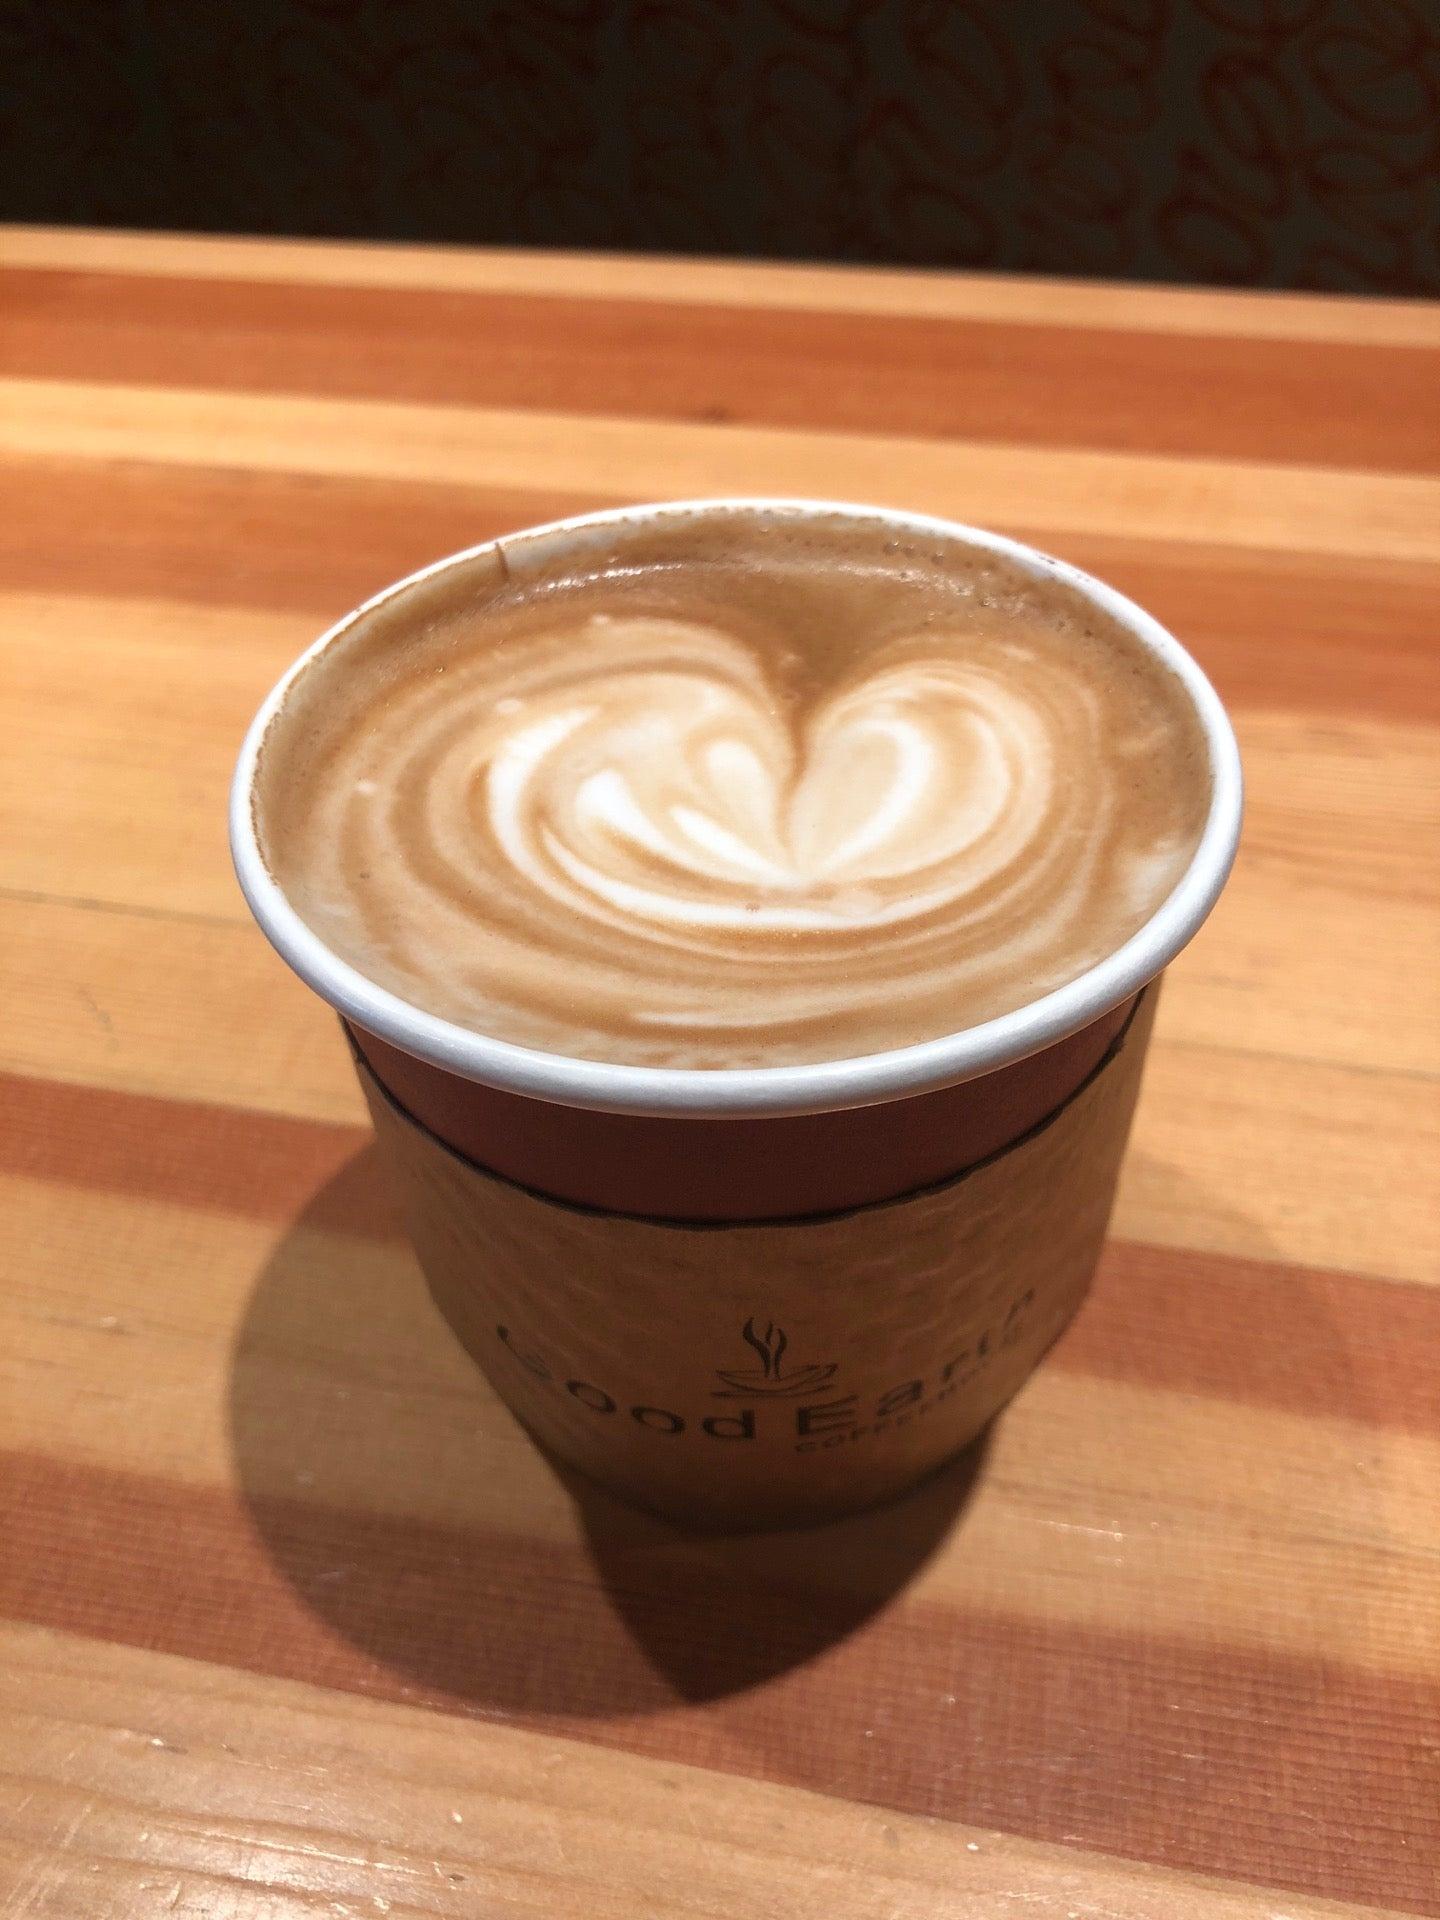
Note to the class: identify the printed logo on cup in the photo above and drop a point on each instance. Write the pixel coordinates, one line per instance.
(844, 1416)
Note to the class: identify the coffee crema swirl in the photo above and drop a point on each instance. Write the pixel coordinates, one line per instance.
(746, 803)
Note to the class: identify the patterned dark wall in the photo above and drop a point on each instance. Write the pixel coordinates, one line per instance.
(1271, 142)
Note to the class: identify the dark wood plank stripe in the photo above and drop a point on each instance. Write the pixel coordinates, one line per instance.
(1264, 1334)
(186, 1153)
(224, 536)
(1280, 631)
(1292, 1771)
(1268, 1335)
(1302, 632)
(1324, 402)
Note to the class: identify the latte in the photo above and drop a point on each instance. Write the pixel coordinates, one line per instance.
(731, 788)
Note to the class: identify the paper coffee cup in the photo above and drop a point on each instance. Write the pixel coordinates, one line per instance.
(761, 1296)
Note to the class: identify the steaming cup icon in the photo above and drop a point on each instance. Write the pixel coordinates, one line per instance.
(770, 1378)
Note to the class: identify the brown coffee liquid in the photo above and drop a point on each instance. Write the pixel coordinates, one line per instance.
(731, 789)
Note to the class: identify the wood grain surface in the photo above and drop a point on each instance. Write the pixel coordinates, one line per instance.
(293, 1621)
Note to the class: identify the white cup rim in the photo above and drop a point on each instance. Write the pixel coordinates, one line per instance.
(813, 1087)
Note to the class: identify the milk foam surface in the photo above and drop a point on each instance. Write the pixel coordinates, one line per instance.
(732, 791)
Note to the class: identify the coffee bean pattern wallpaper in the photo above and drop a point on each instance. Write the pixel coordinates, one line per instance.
(1265, 142)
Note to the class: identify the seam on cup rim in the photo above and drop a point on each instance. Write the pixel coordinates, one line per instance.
(811, 1087)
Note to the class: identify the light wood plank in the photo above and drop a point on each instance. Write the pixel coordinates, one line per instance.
(1274, 1159)
(133, 716)
(1018, 300)
(152, 1784)
(1054, 491)
(1337, 885)
(187, 1008)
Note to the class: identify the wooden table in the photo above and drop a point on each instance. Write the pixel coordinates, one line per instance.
(295, 1622)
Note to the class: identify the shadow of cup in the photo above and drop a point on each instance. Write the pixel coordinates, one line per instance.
(404, 1505)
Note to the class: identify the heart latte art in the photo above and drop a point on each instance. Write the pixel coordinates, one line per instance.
(747, 810)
